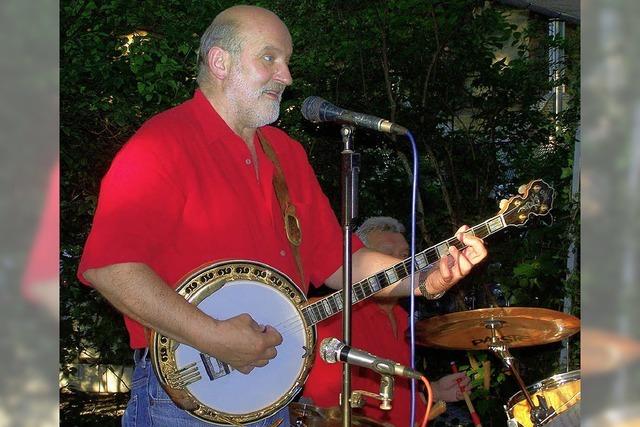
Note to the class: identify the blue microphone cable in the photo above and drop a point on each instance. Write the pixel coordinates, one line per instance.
(412, 333)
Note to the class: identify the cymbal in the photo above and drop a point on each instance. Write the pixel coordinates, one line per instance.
(515, 327)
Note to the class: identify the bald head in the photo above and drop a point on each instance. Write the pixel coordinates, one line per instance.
(246, 12)
(230, 28)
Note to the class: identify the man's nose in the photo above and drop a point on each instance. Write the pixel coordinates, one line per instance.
(283, 75)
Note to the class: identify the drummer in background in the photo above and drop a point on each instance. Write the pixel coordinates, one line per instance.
(378, 326)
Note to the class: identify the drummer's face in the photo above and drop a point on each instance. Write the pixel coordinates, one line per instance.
(389, 243)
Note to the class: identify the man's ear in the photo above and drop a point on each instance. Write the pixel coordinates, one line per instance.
(219, 62)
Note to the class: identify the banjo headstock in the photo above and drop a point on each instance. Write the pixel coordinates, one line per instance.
(535, 199)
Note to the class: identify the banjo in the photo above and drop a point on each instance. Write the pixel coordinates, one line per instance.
(212, 391)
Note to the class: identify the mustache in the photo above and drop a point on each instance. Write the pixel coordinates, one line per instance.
(275, 87)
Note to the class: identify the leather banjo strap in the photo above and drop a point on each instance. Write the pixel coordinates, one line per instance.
(291, 223)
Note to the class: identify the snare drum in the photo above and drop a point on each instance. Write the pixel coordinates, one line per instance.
(561, 392)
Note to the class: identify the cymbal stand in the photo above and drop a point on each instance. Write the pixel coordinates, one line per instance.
(539, 414)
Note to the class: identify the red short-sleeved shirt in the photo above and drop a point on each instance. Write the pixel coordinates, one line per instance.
(371, 331)
(183, 193)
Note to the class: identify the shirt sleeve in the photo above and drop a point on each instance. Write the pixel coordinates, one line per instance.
(139, 206)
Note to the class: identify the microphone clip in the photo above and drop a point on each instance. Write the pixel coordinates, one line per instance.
(385, 396)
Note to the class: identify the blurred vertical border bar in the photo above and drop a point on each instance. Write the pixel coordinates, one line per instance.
(29, 94)
(610, 211)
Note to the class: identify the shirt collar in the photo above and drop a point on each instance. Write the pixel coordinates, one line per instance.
(215, 128)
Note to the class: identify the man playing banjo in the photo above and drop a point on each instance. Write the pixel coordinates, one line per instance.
(194, 186)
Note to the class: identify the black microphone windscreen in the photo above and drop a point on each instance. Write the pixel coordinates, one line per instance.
(311, 108)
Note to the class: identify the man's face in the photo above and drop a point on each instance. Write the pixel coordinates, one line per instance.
(389, 243)
(260, 73)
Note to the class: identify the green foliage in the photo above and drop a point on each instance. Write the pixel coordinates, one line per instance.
(108, 88)
(487, 406)
(482, 126)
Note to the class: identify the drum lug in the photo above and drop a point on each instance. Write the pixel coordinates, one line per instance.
(511, 422)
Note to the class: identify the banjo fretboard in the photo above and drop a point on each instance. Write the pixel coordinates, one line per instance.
(333, 304)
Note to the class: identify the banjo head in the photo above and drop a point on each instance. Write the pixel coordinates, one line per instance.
(210, 389)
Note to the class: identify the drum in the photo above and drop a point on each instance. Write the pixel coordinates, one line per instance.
(304, 415)
(561, 392)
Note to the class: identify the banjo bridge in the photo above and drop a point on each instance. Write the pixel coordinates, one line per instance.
(214, 372)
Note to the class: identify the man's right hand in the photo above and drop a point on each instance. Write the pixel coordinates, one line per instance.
(246, 344)
(138, 292)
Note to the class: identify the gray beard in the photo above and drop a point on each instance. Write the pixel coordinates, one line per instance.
(251, 115)
(256, 119)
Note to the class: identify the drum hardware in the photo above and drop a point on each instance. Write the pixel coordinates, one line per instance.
(498, 329)
(561, 391)
(540, 413)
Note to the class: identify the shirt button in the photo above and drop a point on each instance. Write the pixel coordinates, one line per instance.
(248, 161)
(282, 253)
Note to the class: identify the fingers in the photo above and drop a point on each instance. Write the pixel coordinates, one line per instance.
(445, 270)
(452, 380)
(457, 256)
(476, 250)
(269, 334)
(464, 380)
(461, 265)
(461, 230)
(268, 338)
(460, 262)
(261, 363)
(255, 325)
(250, 344)
(272, 336)
(244, 369)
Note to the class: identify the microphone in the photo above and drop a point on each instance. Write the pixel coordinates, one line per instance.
(333, 350)
(316, 109)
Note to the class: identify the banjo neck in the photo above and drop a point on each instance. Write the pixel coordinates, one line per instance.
(534, 199)
(333, 304)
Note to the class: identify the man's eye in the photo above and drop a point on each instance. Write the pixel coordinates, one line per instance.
(268, 58)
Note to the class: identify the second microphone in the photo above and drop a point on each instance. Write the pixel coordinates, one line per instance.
(333, 350)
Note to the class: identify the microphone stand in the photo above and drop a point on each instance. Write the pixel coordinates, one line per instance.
(349, 179)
